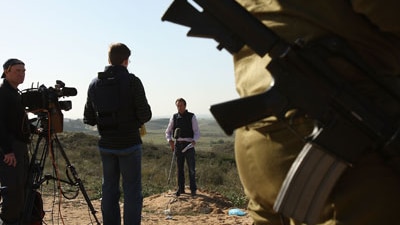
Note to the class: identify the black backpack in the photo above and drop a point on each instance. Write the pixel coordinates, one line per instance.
(37, 211)
(108, 99)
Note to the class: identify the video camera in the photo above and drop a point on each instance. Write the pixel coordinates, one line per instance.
(43, 98)
(44, 102)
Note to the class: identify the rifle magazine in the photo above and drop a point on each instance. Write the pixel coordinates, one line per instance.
(308, 184)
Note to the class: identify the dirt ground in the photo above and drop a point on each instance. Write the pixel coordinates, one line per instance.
(164, 208)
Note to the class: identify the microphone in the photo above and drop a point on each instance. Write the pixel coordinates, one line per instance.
(177, 133)
(69, 91)
(187, 147)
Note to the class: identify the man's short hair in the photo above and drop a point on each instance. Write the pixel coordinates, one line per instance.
(118, 53)
(180, 100)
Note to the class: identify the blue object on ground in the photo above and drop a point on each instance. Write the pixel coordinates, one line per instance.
(236, 212)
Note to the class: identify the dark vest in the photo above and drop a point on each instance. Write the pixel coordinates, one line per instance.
(184, 122)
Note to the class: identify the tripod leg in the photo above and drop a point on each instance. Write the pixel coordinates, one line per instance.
(77, 181)
(33, 180)
(170, 169)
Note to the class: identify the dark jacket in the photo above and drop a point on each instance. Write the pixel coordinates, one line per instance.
(13, 119)
(134, 110)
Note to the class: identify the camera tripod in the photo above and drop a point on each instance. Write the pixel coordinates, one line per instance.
(46, 144)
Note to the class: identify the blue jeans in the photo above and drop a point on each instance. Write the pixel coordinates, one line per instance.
(125, 162)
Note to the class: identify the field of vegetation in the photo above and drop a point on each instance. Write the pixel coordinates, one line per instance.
(215, 163)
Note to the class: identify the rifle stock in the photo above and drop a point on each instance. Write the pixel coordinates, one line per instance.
(216, 22)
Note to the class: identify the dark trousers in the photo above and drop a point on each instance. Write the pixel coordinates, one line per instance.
(13, 179)
(189, 156)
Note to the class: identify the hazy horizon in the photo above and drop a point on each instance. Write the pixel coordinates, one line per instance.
(69, 40)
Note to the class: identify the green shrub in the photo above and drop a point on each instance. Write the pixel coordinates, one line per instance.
(215, 169)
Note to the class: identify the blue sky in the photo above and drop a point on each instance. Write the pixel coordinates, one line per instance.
(69, 40)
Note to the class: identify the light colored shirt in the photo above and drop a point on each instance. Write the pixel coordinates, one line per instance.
(169, 132)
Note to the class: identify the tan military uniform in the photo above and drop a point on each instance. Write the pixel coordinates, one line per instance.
(369, 193)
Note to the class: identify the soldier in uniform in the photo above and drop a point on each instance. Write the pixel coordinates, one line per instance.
(367, 193)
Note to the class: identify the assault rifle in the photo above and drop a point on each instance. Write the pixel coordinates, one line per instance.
(347, 122)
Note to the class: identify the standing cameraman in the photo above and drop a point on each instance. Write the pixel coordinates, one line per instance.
(117, 104)
(14, 136)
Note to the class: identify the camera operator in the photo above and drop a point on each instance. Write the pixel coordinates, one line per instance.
(14, 137)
